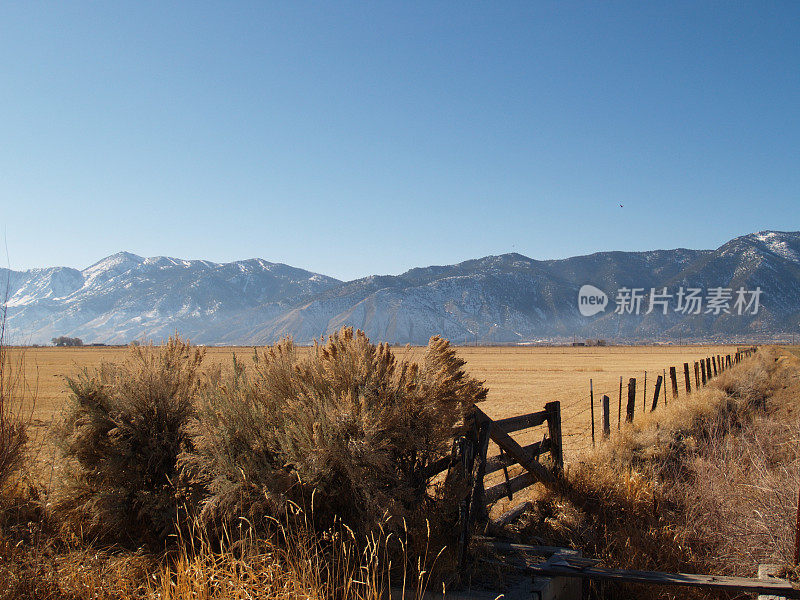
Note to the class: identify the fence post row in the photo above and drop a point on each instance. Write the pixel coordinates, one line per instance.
(470, 447)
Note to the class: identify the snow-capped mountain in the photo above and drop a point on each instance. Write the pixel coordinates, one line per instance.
(125, 297)
(507, 298)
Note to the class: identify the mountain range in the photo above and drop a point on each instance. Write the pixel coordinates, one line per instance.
(496, 299)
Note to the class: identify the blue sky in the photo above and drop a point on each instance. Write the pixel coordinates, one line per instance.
(361, 138)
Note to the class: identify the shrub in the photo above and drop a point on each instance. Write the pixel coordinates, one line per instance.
(344, 430)
(123, 432)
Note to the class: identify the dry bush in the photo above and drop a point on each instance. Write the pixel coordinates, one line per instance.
(124, 429)
(345, 432)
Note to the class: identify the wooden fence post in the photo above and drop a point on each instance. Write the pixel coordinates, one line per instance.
(619, 410)
(467, 463)
(477, 510)
(644, 390)
(665, 386)
(728, 361)
(687, 378)
(714, 364)
(673, 375)
(591, 404)
(657, 393)
(554, 430)
(703, 370)
(708, 368)
(631, 400)
(696, 375)
(606, 418)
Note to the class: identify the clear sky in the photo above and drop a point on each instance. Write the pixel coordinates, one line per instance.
(371, 137)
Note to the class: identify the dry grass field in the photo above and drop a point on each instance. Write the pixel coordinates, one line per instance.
(519, 379)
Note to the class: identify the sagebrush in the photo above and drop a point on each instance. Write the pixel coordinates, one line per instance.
(125, 427)
(345, 431)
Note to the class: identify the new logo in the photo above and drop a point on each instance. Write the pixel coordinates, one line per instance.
(591, 300)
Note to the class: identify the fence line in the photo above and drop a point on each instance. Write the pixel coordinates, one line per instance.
(705, 369)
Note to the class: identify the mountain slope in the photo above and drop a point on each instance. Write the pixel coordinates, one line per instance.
(125, 297)
(507, 298)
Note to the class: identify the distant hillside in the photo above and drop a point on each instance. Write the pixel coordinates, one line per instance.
(507, 298)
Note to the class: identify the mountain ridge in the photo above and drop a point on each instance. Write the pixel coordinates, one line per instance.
(506, 298)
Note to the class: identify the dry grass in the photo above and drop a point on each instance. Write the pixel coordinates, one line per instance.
(622, 506)
(520, 379)
(708, 485)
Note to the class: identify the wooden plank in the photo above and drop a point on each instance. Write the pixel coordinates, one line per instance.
(718, 582)
(512, 424)
(507, 443)
(497, 462)
(511, 515)
(515, 484)
(606, 417)
(539, 550)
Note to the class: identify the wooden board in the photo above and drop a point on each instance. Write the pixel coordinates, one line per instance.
(735, 584)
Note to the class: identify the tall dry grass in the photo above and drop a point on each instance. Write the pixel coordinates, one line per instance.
(15, 397)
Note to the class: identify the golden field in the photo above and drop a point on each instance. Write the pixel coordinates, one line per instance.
(520, 379)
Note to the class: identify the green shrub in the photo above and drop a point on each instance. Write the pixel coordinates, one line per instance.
(124, 429)
(344, 431)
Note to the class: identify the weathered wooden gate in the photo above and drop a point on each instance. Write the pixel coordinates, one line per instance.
(471, 456)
